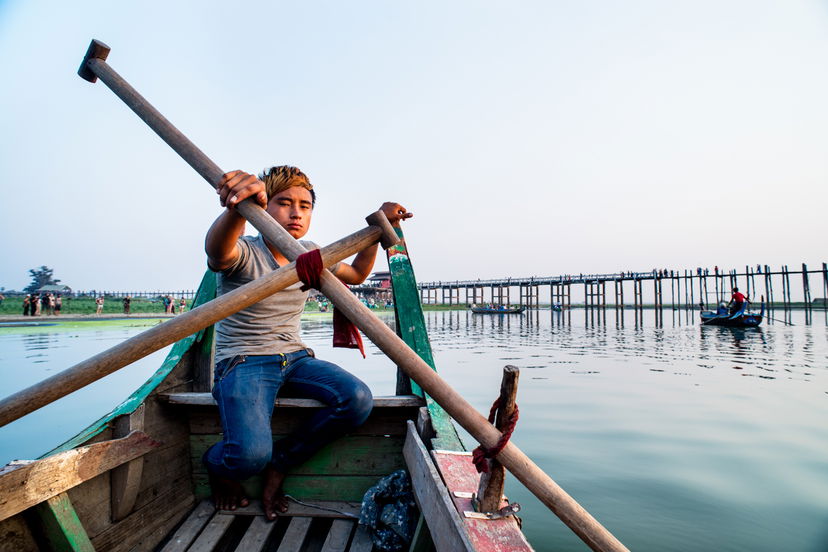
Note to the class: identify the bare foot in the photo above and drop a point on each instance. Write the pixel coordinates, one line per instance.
(227, 494)
(273, 499)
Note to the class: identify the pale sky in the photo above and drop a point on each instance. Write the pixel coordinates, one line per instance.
(529, 138)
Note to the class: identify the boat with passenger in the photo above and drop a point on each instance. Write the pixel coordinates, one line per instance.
(742, 318)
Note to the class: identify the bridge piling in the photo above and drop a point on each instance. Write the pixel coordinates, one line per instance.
(806, 287)
(825, 286)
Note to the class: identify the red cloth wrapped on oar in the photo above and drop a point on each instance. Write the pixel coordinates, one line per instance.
(345, 334)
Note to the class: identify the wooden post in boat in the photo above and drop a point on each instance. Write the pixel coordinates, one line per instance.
(539, 483)
(490, 490)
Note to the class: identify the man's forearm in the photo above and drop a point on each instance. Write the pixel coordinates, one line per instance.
(363, 264)
(220, 244)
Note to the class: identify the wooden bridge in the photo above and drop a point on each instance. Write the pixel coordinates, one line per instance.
(681, 289)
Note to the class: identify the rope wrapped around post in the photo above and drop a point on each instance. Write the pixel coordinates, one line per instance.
(481, 453)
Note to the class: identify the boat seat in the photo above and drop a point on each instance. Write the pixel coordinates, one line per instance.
(206, 399)
(342, 470)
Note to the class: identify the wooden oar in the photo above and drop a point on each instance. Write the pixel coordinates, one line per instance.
(540, 484)
(158, 337)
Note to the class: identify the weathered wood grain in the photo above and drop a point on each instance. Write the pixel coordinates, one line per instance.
(125, 480)
(295, 535)
(432, 498)
(350, 455)
(459, 474)
(16, 535)
(58, 525)
(490, 489)
(209, 537)
(338, 536)
(25, 486)
(361, 541)
(166, 472)
(256, 535)
(206, 399)
(191, 527)
(204, 359)
(144, 528)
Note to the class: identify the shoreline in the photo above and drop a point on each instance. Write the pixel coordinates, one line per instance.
(45, 319)
(50, 319)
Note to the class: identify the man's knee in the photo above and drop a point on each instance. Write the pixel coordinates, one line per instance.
(249, 460)
(360, 404)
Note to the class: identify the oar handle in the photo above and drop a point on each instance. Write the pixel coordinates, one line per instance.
(94, 66)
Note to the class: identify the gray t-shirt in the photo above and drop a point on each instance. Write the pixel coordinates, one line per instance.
(270, 326)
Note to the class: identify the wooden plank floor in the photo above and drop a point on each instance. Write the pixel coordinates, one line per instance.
(302, 528)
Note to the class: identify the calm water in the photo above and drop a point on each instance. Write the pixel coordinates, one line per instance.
(674, 436)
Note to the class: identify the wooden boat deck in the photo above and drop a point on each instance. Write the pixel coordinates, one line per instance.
(328, 527)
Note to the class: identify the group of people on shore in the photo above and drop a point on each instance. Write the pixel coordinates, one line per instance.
(38, 304)
(170, 304)
(34, 304)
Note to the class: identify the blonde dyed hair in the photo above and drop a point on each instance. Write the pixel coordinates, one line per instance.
(278, 179)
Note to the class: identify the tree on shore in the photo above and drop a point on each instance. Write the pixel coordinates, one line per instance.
(43, 276)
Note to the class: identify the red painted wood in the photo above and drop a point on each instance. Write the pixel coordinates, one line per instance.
(487, 535)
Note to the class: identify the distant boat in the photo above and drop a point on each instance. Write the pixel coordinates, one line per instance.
(498, 310)
(557, 308)
(741, 319)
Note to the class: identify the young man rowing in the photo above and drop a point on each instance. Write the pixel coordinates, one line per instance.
(259, 353)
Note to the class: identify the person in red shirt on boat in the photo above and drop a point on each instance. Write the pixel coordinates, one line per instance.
(737, 301)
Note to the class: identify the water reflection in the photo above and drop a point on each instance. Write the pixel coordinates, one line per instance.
(648, 337)
(647, 415)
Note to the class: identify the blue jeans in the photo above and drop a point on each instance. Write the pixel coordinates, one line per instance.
(245, 388)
